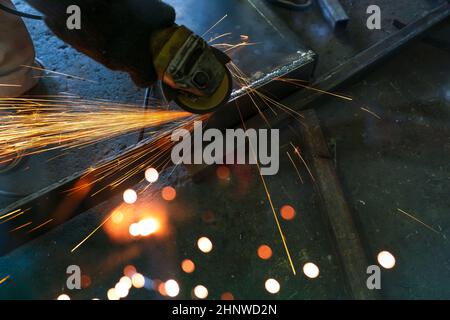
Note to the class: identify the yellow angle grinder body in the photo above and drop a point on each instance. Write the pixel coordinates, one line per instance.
(193, 74)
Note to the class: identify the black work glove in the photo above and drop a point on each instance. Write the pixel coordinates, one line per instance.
(115, 33)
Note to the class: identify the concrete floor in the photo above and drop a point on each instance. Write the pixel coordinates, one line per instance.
(399, 160)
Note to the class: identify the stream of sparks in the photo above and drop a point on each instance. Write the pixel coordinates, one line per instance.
(35, 125)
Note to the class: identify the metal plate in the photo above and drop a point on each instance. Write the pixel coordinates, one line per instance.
(276, 53)
(274, 45)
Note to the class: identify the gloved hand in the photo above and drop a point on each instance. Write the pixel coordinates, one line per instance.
(115, 33)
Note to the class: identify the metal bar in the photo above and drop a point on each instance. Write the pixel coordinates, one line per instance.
(337, 213)
(369, 57)
(334, 13)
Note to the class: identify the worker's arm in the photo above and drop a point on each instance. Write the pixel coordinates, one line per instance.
(115, 33)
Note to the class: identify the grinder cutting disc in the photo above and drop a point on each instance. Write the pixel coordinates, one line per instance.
(193, 73)
(201, 105)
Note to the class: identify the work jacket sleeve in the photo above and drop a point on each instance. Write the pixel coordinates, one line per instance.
(116, 33)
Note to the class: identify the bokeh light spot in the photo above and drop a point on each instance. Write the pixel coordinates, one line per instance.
(172, 288)
(121, 289)
(188, 266)
(205, 245)
(112, 294)
(272, 286)
(129, 271)
(151, 175)
(265, 252)
(168, 193)
(227, 296)
(130, 196)
(134, 230)
(223, 173)
(287, 212)
(162, 289)
(201, 292)
(311, 270)
(126, 282)
(85, 281)
(148, 226)
(386, 260)
(138, 281)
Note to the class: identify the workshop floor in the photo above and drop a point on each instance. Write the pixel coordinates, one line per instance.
(400, 162)
(394, 158)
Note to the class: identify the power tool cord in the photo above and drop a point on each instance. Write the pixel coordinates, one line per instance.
(20, 13)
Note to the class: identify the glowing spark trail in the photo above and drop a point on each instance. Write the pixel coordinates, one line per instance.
(215, 25)
(10, 214)
(417, 220)
(58, 73)
(295, 166)
(272, 207)
(227, 48)
(9, 85)
(40, 226)
(244, 83)
(91, 234)
(136, 162)
(371, 112)
(22, 226)
(297, 152)
(30, 126)
(300, 83)
(150, 154)
(280, 230)
(219, 37)
(4, 279)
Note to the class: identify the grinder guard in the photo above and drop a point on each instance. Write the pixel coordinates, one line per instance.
(193, 74)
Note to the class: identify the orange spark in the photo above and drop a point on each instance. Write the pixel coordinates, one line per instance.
(4, 279)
